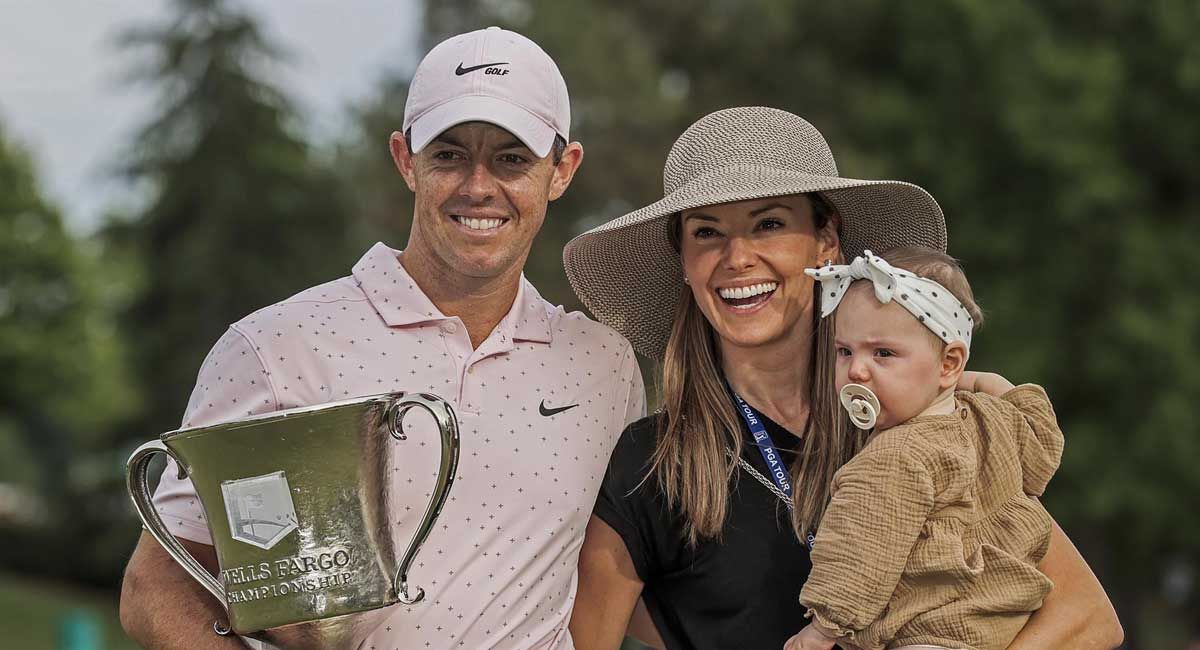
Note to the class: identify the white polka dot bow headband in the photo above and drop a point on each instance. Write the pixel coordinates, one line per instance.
(925, 299)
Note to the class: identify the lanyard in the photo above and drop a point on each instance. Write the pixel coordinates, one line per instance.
(775, 467)
(778, 471)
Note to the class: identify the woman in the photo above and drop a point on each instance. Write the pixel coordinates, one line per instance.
(691, 518)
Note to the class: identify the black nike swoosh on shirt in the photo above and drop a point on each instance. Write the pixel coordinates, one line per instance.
(460, 70)
(548, 412)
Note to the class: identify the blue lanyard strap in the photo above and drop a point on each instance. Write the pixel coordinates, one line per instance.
(776, 469)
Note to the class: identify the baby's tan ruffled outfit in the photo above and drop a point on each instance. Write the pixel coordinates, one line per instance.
(934, 530)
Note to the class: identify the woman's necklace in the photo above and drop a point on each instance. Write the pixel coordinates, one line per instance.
(780, 483)
(769, 484)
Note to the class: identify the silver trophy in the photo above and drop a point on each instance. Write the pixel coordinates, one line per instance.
(301, 514)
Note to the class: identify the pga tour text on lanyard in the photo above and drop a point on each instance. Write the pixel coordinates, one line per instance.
(776, 468)
(775, 465)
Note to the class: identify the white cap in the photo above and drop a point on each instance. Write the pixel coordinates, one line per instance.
(488, 75)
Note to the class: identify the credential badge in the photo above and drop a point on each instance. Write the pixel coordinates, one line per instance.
(260, 509)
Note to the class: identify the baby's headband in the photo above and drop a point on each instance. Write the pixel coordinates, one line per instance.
(929, 301)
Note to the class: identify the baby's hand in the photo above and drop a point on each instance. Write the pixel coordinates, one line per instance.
(810, 638)
(984, 382)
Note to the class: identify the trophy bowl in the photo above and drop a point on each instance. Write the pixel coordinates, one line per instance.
(300, 508)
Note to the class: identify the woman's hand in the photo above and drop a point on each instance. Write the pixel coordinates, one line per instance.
(810, 638)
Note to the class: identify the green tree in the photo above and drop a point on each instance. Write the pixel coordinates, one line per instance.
(380, 202)
(63, 382)
(242, 214)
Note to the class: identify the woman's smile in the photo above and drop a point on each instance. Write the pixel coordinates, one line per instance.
(747, 298)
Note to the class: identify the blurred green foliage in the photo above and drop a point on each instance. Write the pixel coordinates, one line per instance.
(57, 347)
(1060, 138)
(242, 213)
(64, 381)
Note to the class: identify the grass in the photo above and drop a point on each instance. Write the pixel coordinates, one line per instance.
(36, 615)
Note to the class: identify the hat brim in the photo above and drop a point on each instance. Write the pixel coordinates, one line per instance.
(626, 272)
(522, 123)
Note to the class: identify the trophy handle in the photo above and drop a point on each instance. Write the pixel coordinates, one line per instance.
(138, 484)
(447, 423)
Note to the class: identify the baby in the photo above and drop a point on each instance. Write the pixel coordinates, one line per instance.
(933, 532)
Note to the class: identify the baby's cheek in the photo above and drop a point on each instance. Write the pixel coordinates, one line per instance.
(900, 400)
(885, 405)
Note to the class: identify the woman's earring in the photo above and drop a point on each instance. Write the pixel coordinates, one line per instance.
(686, 280)
(829, 262)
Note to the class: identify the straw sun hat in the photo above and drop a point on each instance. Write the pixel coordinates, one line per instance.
(630, 277)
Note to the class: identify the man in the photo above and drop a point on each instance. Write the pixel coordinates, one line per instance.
(541, 395)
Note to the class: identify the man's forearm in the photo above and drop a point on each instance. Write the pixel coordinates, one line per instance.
(1076, 614)
(1088, 631)
(164, 608)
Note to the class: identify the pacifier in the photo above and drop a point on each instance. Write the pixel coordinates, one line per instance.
(861, 404)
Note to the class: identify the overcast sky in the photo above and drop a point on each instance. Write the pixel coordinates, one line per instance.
(62, 95)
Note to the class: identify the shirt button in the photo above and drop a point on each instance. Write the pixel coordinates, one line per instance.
(449, 328)
(471, 370)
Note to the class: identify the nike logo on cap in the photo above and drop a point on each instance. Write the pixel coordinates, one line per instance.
(460, 70)
(548, 412)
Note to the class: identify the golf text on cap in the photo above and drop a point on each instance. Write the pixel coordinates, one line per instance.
(490, 68)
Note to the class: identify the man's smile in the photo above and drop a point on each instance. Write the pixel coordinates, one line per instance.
(480, 224)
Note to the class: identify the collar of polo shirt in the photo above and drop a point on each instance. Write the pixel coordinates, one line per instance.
(400, 302)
